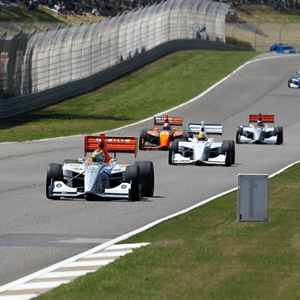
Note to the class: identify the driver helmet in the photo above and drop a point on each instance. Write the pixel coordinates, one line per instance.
(98, 156)
(166, 126)
(259, 122)
(202, 136)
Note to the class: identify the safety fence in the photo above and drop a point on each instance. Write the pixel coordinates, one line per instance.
(40, 62)
(263, 35)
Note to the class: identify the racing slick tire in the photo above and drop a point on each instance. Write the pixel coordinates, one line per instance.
(289, 83)
(232, 151)
(227, 150)
(132, 175)
(239, 132)
(173, 149)
(147, 177)
(278, 130)
(53, 174)
(142, 140)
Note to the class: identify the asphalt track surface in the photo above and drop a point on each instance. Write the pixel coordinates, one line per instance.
(36, 232)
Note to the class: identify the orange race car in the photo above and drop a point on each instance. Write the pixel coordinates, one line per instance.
(160, 138)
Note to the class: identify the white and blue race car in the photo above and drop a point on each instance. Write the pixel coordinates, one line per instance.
(106, 179)
(200, 149)
(258, 132)
(294, 81)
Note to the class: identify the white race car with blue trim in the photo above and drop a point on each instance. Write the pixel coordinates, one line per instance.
(204, 151)
(258, 132)
(92, 180)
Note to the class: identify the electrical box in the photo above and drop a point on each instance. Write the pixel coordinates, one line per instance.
(252, 197)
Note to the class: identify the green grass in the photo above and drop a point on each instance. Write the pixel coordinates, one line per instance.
(161, 85)
(207, 254)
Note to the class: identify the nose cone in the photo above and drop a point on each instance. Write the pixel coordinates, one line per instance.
(259, 135)
(92, 171)
(164, 138)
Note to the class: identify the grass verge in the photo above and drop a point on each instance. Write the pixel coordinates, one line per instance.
(207, 254)
(159, 86)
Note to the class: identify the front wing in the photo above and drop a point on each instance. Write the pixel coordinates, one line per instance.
(179, 159)
(244, 140)
(198, 153)
(294, 83)
(59, 189)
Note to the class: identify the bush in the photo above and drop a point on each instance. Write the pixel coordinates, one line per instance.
(234, 41)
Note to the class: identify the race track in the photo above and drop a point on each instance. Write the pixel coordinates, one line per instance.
(37, 232)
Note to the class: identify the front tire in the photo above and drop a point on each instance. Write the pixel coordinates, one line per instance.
(239, 132)
(147, 177)
(232, 151)
(132, 175)
(227, 151)
(173, 149)
(279, 132)
(54, 173)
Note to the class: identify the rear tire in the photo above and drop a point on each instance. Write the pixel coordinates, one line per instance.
(143, 136)
(147, 177)
(173, 149)
(53, 174)
(132, 175)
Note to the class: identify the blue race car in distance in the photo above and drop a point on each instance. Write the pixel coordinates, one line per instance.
(283, 48)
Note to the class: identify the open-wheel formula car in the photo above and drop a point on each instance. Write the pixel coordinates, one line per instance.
(160, 138)
(294, 81)
(260, 132)
(199, 149)
(101, 176)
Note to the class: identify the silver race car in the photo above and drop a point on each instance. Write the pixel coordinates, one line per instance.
(199, 149)
(101, 175)
(258, 131)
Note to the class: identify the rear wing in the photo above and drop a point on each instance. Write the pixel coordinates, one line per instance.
(195, 128)
(264, 118)
(110, 144)
(172, 121)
